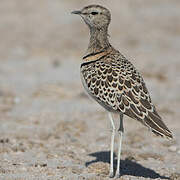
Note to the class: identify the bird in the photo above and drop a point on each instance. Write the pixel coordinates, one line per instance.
(113, 81)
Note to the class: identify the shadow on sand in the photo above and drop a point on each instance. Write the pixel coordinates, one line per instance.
(128, 167)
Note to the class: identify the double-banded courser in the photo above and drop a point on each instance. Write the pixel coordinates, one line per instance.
(112, 80)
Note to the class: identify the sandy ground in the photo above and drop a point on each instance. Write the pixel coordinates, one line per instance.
(49, 128)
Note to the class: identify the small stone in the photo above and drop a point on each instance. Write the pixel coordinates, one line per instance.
(56, 63)
(173, 148)
(17, 100)
(24, 168)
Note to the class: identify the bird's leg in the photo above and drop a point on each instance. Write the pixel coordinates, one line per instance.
(120, 130)
(111, 172)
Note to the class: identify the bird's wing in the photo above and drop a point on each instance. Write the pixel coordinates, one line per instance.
(118, 86)
(133, 99)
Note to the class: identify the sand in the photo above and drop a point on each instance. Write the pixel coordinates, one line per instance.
(49, 128)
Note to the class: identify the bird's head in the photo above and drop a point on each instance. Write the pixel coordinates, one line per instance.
(95, 16)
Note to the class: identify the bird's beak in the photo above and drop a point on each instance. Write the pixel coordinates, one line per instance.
(76, 12)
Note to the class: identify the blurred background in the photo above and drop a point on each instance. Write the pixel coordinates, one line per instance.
(49, 128)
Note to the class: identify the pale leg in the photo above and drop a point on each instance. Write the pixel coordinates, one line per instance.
(120, 130)
(111, 172)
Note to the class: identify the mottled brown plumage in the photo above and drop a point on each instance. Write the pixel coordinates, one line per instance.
(115, 83)
(112, 80)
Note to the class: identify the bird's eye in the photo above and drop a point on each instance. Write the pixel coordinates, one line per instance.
(94, 13)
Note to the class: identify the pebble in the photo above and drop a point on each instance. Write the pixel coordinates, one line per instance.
(17, 100)
(24, 168)
(173, 148)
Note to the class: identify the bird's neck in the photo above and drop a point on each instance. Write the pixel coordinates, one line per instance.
(98, 40)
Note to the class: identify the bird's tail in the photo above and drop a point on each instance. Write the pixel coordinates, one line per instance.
(157, 126)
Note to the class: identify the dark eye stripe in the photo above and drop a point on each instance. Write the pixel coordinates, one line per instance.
(94, 13)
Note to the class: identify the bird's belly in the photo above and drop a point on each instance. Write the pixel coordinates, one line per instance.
(91, 96)
(88, 92)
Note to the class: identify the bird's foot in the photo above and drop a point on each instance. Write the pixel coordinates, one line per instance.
(117, 174)
(111, 174)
